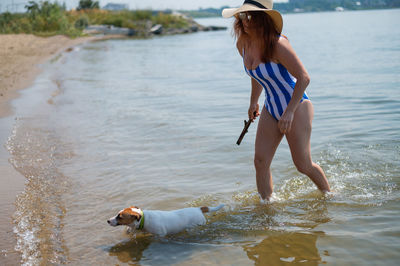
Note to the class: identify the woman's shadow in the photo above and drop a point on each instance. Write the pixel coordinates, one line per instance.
(281, 248)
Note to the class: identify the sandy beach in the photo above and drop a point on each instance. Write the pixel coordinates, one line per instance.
(20, 57)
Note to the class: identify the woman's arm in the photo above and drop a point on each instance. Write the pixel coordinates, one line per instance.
(286, 55)
(256, 90)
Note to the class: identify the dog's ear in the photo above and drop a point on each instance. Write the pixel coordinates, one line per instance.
(137, 216)
(128, 216)
(134, 214)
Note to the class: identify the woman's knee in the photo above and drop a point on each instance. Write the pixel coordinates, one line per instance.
(304, 167)
(260, 161)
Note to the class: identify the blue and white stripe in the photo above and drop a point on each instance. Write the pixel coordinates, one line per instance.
(278, 84)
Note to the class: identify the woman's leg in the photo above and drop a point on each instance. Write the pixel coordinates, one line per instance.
(267, 141)
(300, 147)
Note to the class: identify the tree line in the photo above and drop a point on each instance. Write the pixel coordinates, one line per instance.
(47, 18)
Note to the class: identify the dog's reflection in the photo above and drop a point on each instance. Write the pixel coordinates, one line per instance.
(131, 250)
(159, 251)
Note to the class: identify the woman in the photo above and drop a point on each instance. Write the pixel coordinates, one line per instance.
(273, 65)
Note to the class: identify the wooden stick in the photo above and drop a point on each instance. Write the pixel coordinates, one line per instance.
(244, 131)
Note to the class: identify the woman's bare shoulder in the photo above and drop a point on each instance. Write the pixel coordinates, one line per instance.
(283, 41)
(283, 46)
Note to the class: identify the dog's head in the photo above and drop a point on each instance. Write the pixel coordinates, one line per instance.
(129, 216)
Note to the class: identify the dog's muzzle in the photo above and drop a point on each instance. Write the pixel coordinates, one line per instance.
(112, 221)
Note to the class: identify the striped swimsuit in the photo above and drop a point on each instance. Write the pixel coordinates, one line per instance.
(278, 84)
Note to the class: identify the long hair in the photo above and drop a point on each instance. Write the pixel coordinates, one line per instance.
(266, 33)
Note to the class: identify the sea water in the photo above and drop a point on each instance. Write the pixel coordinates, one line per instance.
(154, 122)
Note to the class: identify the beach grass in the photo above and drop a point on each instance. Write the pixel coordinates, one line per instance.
(48, 19)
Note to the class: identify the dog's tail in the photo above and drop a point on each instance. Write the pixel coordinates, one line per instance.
(211, 209)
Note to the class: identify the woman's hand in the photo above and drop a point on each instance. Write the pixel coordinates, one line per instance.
(285, 122)
(253, 111)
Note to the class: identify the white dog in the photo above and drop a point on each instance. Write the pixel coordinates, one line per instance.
(161, 222)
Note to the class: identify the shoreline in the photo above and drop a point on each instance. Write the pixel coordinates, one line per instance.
(21, 56)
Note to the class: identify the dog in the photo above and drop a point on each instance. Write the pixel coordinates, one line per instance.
(161, 223)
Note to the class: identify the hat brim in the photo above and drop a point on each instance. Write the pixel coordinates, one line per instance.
(275, 15)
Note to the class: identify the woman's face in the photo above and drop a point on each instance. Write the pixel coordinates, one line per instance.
(245, 17)
(252, 22)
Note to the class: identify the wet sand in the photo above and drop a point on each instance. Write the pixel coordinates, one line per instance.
(20, 56)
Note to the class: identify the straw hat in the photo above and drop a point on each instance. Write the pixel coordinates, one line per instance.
(257, 5)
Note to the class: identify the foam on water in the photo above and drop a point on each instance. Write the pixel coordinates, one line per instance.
(36, 153)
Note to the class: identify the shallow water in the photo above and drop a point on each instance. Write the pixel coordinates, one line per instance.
(153, 123)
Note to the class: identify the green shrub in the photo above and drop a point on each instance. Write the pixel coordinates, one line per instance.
(129, 24)
(82, 22)
(114, 21)
(140, 15)
(88, 4)
(5, 21)
(169, 21)
(25, 25)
